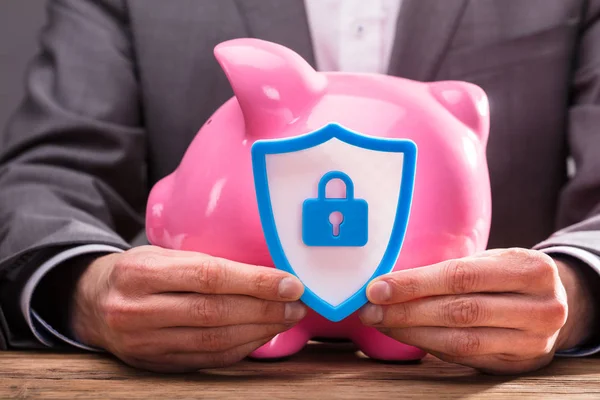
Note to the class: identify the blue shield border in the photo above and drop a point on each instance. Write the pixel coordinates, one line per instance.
(262, 148)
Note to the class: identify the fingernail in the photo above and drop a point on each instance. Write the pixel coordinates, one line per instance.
(371, 314)
(294, 311)
(380, 292)
(290, 288)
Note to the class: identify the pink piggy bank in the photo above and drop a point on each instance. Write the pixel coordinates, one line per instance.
(209, 203)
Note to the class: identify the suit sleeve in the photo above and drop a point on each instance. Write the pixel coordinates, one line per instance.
(72, 167)
(578, 236)
(579, 205)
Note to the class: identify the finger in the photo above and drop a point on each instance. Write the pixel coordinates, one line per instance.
(499, 365)
(194, 310)
(493, 366)
(470, 342)
(223, 338)
(476, 310)
(517, 271)
(157, 273)
(204, 340)
(188, 362)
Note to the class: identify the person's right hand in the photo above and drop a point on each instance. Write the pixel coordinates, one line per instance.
(176, 311)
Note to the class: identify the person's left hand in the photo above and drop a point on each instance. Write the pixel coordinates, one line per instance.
(502, 311)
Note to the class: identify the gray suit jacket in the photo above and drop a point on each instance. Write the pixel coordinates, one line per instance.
(120, 88)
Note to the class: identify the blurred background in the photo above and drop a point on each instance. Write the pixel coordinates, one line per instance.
(20, 22)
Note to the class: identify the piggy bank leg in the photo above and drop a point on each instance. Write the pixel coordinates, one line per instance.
(283, 345)
(378, 346)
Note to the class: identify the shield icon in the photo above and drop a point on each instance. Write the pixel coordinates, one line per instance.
(293, 179)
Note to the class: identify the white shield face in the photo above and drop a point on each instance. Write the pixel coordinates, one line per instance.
(335, 277)
(334, 273)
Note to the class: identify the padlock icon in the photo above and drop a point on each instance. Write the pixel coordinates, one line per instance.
(330, 222)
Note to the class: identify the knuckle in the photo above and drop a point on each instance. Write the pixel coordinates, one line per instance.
(517, 254)
(211, 273)
(464, 343)
(224, 359)
(412, 287)
(119, 274)
(133, 345)
(543, 266)
(131, 268)
(173, 362)
(264, 283)
(461, 312)
(215, 339)
(409, 286)
(233, 356)
(536, 264)
(461, 276)
(272, 311)
(556, 313)
(141, 262)
(400, 313)
(209, 310)
(218, 359)
(118, 312)
(539, 346)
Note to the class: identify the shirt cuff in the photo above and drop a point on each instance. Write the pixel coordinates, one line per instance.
(593, 261)
(40, 328)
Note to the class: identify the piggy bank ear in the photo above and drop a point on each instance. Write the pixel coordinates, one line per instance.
(273, 85)
(467, 102)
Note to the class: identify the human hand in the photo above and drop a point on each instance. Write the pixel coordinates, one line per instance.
(502, 311)
(176, 311)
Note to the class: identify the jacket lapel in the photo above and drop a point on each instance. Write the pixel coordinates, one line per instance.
(283, 22)
(424, 31)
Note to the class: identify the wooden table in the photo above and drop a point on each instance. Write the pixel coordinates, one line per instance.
(320, 371)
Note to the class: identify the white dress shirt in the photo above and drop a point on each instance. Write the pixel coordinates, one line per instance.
(347, 35)
(353, 35)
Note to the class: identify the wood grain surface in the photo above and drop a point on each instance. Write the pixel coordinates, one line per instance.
(321, 371)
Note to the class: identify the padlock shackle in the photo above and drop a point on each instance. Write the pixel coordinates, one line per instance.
(331, 175)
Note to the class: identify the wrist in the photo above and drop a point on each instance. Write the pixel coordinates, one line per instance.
(52, 298)
(581, 321)
(84, 314)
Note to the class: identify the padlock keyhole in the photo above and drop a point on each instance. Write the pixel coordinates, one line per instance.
(335, 219)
